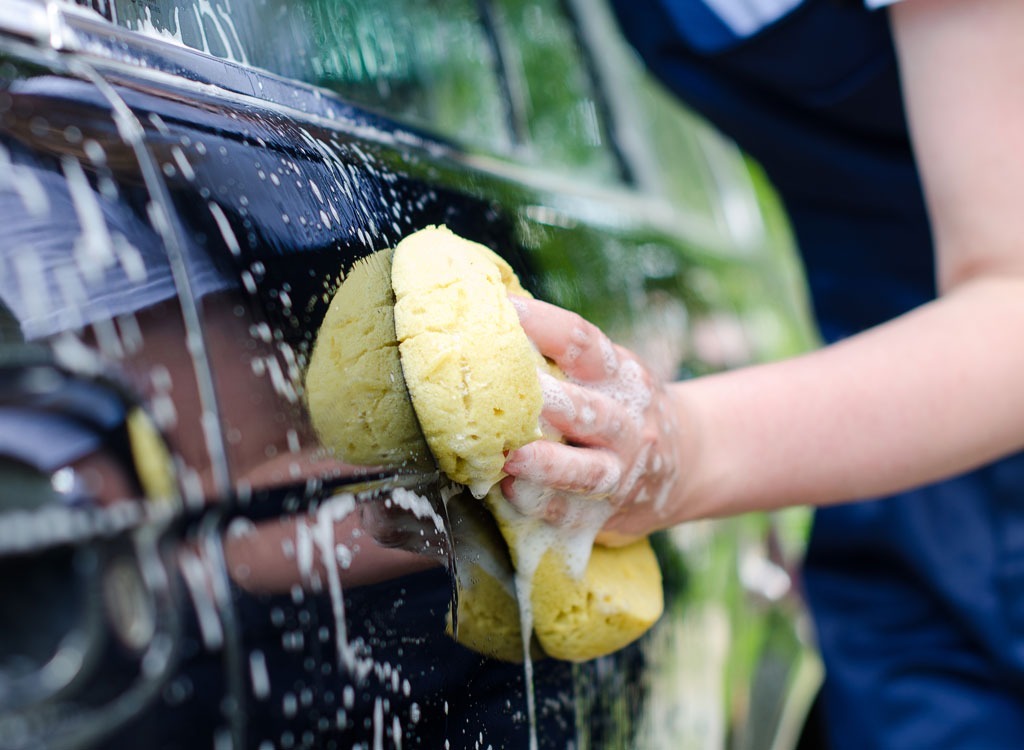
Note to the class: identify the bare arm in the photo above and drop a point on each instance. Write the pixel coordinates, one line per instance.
(927, 395)
(941, 389)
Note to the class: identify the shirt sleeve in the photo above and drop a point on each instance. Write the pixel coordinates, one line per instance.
(875, 4)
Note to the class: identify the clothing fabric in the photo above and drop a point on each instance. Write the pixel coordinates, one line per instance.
(918, 598)
(710, 23)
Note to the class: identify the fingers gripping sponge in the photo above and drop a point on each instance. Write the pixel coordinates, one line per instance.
(471, 374)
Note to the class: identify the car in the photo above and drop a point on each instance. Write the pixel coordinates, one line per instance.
(183, 183)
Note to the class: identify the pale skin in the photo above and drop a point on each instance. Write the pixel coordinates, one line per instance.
(925, 396)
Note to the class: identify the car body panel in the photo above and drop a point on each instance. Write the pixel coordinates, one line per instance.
(176, 224)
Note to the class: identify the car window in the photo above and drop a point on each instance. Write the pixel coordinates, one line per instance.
(559, 111)
(429, 64)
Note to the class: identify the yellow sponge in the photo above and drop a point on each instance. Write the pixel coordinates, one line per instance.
(585, 600)
(616, 601)
(489, 616)
(471, 375)
(470, 369)
(355, 390)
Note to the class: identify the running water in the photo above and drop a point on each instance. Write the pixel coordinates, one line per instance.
(322, 560)
(530, 539)
(321, 535)
(524, 588)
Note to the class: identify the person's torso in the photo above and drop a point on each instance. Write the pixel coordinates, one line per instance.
(809, 89)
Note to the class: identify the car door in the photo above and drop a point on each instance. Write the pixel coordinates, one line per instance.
(192, 180)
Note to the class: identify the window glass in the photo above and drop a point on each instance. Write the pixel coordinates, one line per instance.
(429, 64)
(552, 89)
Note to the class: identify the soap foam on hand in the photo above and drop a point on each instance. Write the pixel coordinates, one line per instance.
(606, 398)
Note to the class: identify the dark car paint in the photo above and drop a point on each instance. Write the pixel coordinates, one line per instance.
(212, 690)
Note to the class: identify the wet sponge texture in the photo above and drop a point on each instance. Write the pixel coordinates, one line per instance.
(354, 386)
(618, 599)
(470, 369)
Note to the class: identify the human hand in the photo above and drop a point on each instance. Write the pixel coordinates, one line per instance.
(619, 439)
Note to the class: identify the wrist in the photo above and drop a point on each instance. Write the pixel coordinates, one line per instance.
(698, 491)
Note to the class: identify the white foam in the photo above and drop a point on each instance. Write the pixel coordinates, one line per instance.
(555, 397)
(418, 505)
(609, 356)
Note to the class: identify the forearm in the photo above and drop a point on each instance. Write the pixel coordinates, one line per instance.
(925, 396)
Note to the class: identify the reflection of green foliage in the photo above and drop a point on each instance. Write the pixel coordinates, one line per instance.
(675, 571)
(552, 89)
(672, 132)
(429, 63)
(14, 69)
(599, 273)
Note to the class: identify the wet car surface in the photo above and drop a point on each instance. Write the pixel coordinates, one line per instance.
(182, 184)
